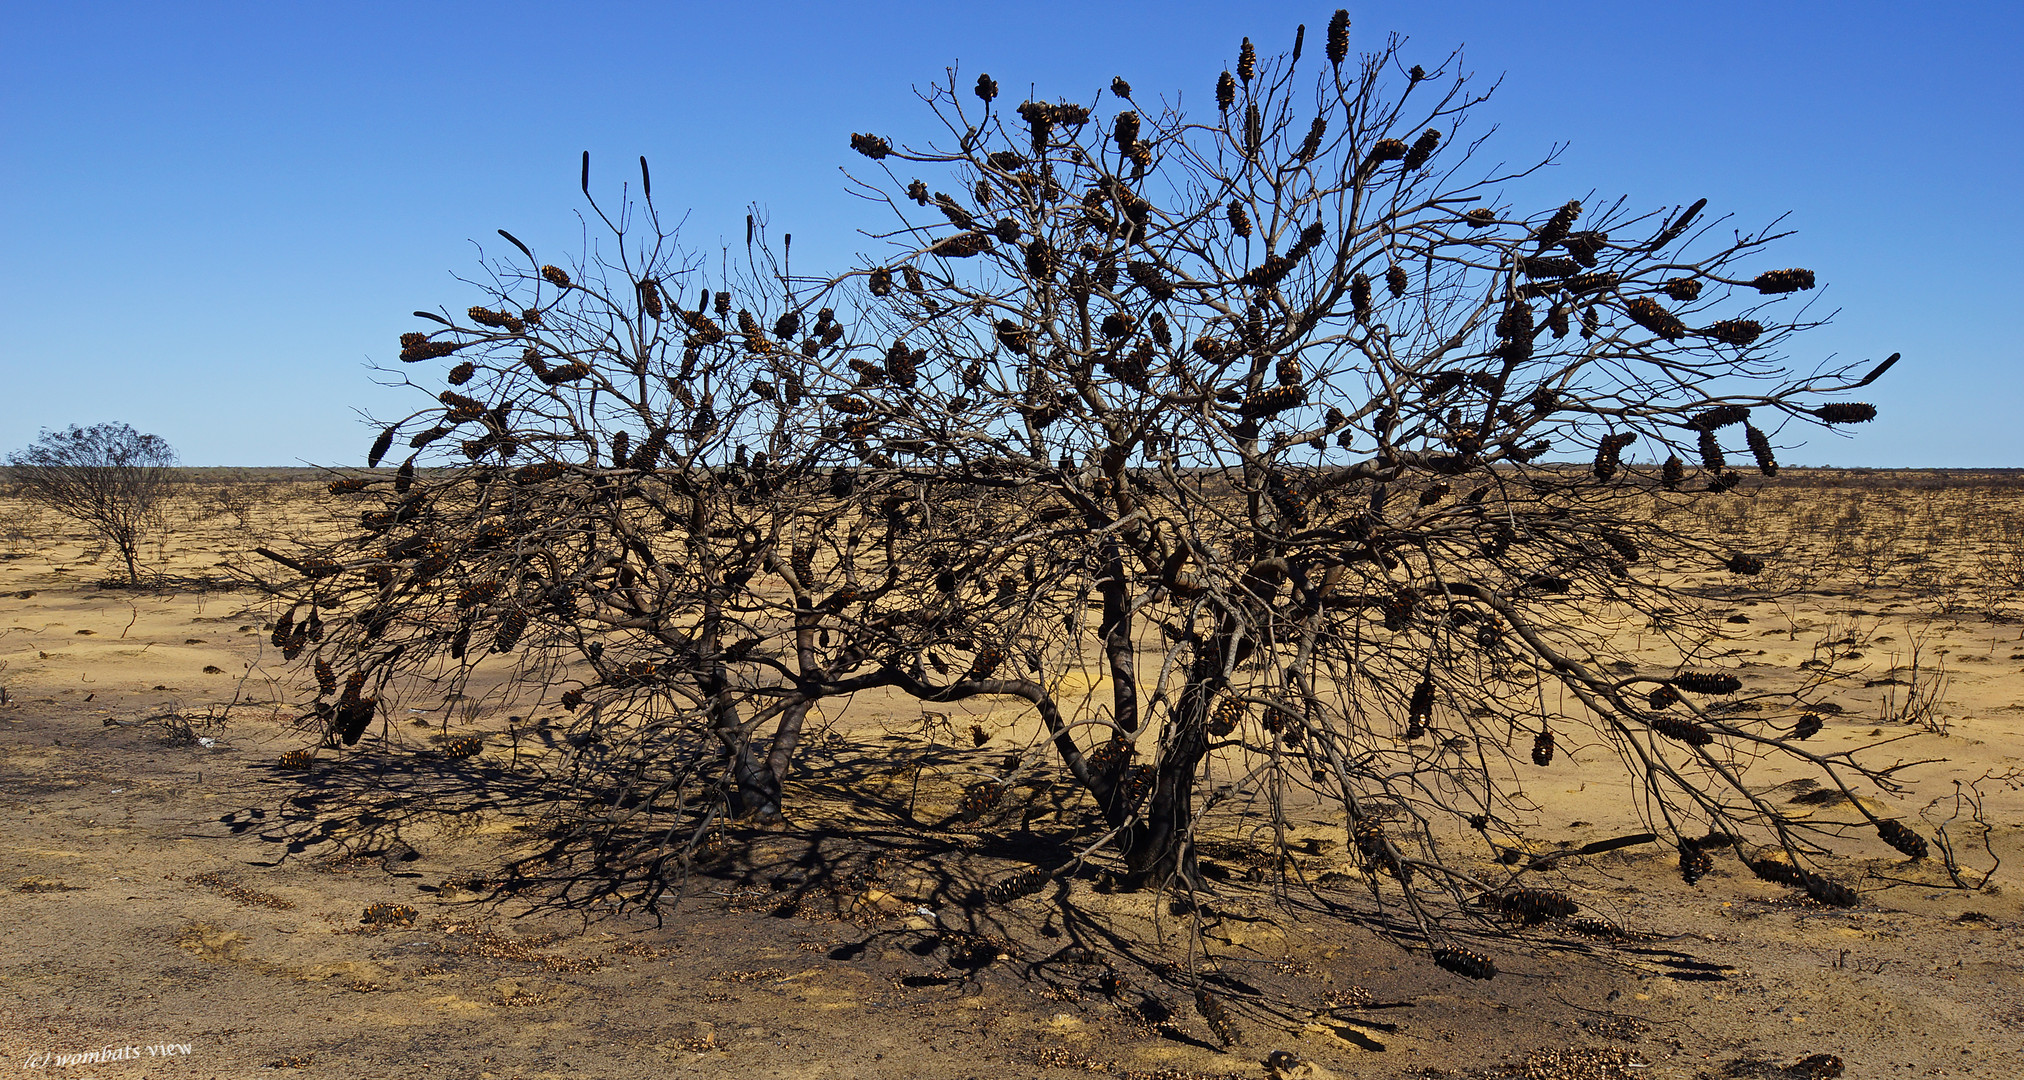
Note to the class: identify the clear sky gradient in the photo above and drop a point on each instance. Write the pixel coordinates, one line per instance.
(213, 217)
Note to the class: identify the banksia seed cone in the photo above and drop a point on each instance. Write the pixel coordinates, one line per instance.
(1683, 289)
(353, 718)
(556, 276)
(1537, 905)
(1466, 963)
(1556, 227)
(1542, 749)
(987, 87)
(460, 641)
(1395, 279)
(1760, 447)
(1120, 87)
(1217, 1017)
(1665, 697)
(1707, 682)
(1240, 221)
(1024, 883)
(1226, 92)
(1719, 417)
(1647, 313)
(571, 699)
(986, 663)
(326, 679)
(1272, 402)
(1289, 371)
(1695, 864)
(388, 915)
(1738, 332)
(1247, 60)
(1384, 150)
(1125, 129)
(1359, 295)
(477, 595)
(1481, 218)
(1896, 835)
(1772, 282)
(1846, 412)
(296, 759)
(1747, 565)
(1711, 452)
(510, 628)
(1338, 37)
(537, 474)
(462, 373)
(1421, 710)
(1227, 714)
(1135, 786)
(870, 146)
(463, 746)
(380, 446)
(1674, 471)
(1609, 453)
(1815, 1067)
(650, 298)
(1422, 149)
(1808, 727)
(347, 487)
(416, 347)
(1589, 322)
(1678, 730)
(979, 798)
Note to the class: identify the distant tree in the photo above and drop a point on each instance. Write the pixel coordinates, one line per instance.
(108, 476)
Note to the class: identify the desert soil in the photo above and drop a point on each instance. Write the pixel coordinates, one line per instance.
(166, 883)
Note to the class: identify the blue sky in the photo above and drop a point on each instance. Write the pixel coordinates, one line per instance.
(214, 216)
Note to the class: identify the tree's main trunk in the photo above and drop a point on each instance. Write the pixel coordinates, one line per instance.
(1159, 848)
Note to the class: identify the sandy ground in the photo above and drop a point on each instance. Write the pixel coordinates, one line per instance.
(167, 884)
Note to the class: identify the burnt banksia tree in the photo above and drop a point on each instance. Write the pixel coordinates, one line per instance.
(1279, 394)
(1265, 450)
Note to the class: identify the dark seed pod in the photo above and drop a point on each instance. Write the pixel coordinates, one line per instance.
(460, 641)
(1711, 452)
(1772, 282)
(1589, 321)
(296, 759)
(1608, 454)
(1338, 37)
(1596, 926)
(1695, 864)
(1846, 412)
(1815, 1067)
(1647, 313)
(1465, 962)
(1738, 332)
(1421, 709)
(1226, 92)
(1395, 280)
(1898, 836)
(979, 798)
(354, 717)
(383, 914)
(1679, 730)
(1672, 473)
(1556, 228)
(1227, 714)
(1747, 565)
(1542, 749)
(1536, 905)
(1685, 290)
(880, 282)
(1719, 417)
(572, 699)
(463, 746)
(1829, 891)
(511, 626)
(380, 446)
(987, 88)
(1663, 698)
(1760, 448)
(870, 146)
(1422, 150)
(1024, 883)
(1707, 682)
(556, 276)
(1272, 402)
(1240, 222)
(1217, 1017)
(1247, 61)
(1807, 727)
(1135, 786)
(1481, 218)
(1359, 296)
(1120, 87)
